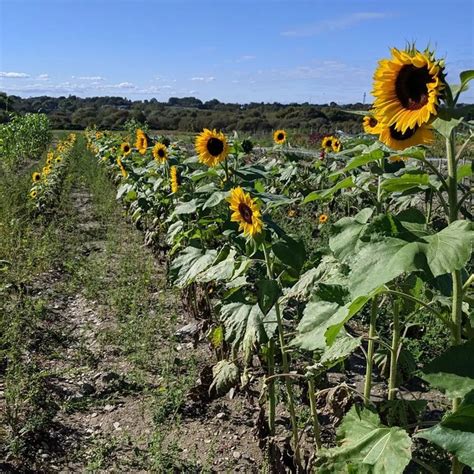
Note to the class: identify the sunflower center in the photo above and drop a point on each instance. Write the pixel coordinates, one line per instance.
(397, 135)
(245, 212)
(280, 136)
(411, 88)
(329, 143)
(126, 148)
(215, 146)
(161, 153)
(372, 122)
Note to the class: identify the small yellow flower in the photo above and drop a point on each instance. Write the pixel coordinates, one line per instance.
(33, 194)
(279, 137)
(245, 211)
(326, 143)
(292, 213)
(371, 125)
(336, 145)
(125, 148)
(323, 218)
(35, 177)
(160, 153)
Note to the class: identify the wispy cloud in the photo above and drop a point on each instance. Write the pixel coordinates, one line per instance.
(203, 79)
(42, 77)
(90, 78)
(121, 85)
(245, 57)
(14, 75)
(335, 24)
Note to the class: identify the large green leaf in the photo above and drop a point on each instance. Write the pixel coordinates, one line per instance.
(406, 182)
(455, 432)
(215, 199)
(378, 263)
(445, 124)
(291, 252)
(323, 320)
(453, 371)
(328, 193)
(451, 248)
(366, 446)
(221, 269)
(268, 292)
(189, 264)
(245, 325)
(362, 160)
(346, 232)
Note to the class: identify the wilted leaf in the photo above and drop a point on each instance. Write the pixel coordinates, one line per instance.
(225, 375)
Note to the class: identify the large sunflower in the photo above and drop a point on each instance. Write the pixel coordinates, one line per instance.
(212, 147)
(125, 148)
(245, 212)
(279, 137)
(372, 125)
(142, 142)
(175, 179)
(160, 152)
(407, 88)
(397, 140)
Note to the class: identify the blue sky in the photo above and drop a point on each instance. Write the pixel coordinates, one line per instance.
(232, 50)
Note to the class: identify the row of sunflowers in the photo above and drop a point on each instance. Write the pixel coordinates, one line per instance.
(392, 241)
(47, 183)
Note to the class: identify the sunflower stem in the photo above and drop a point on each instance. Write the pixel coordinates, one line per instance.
(392, 381)
(271, 386)
(370, 351)
(456, 313)
(314, 413)
(286, 366)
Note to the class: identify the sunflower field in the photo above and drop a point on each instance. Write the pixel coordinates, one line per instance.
(298, 265)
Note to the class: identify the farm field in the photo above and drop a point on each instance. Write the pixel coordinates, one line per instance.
(246, 247)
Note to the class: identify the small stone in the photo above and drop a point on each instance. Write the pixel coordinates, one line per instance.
(109, 407)
(116, 425)
(207, 441)
(236, 454)
(93, 415)
(220, 415)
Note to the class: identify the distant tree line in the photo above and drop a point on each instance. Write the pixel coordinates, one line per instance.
(189, 114)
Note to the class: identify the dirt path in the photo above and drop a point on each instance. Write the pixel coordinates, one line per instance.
(124, 382)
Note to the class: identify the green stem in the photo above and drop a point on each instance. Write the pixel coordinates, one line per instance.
(370, 351)
(456, 313)
(392, 381)
(314, 413)
(271, 387)
(286, 367)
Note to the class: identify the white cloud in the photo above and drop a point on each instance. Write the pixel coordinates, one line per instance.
(14, 75)
(90, 78)
(341, 23)
(121, 85)
(203, 79)
(42, 77)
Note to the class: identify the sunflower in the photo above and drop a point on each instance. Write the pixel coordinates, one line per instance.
(160, 153)
(323, 218)
(336, 145)
(33, 193)
(407, 88)
(400, 140)
(175, 179)
(50, 157)
(372, 125)
(245, 212)
(122, 168)
(142, 142)
(279, 137)
(46, 170)
(212, 147)
(35, 177)
(58, 159)
(326, 143)
(125, 148)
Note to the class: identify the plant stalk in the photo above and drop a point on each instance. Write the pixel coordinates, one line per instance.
(370, 351)
(456, 313)
(271, 387)
(392, 381)
(314, 413)
(286, 367)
